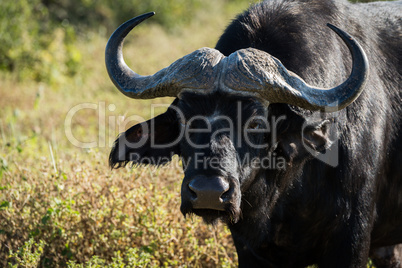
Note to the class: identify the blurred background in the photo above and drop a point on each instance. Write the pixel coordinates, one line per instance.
(60, 204)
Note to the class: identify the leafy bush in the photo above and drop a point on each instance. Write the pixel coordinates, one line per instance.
(31, 46)
(85, 14)
(25, 257)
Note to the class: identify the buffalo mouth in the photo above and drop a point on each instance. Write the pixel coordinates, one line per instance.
(229, 216)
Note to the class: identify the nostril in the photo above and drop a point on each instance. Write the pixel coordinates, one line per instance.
(192, 191)
(225, 194)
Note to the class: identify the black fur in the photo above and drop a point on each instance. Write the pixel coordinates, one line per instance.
(319, 217)
(309, 212)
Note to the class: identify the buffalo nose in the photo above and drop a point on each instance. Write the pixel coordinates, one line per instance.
(208, 192)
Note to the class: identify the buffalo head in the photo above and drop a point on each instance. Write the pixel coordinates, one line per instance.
(222, 122)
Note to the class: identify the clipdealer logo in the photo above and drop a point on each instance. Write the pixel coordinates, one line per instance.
(109, 125)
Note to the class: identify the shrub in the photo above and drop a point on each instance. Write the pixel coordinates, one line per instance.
(28, 256)
(31, 46)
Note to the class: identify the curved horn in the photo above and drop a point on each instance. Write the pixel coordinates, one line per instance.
(252, 70)
(192, 71)
(246, 70)
(337, 98)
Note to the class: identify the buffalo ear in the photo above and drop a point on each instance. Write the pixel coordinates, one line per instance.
(151, 142)
(317, 136)
(313, 139)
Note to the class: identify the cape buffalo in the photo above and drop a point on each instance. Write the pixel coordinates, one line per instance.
(285, 132)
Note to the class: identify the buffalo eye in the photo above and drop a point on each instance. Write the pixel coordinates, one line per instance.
(253, 125)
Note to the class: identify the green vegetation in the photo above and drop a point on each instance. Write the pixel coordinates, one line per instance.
(32, 46)
(60, 205)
